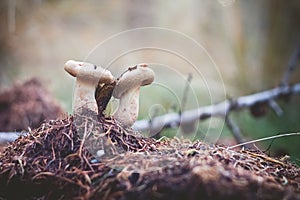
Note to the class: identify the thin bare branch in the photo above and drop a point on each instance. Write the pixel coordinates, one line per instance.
(274, 105)
(236, 132)
(291, 66)
(216, 110)
(185, 92)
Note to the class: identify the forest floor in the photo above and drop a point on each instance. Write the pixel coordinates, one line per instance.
(52, 162)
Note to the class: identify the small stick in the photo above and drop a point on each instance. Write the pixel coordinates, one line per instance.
(267, 158)
(274, 105)
(236, 132)
(185, 92)
(291, 67)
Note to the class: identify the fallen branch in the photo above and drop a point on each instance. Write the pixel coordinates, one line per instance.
(10, 136)
(216, 110)
(222, 109)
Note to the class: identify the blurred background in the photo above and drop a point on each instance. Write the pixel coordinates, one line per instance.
(230, 48)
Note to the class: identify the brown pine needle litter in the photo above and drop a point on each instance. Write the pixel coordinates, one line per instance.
(52, 163)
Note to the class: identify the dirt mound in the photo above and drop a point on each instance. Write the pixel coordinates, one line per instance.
(26, 105)
(53, 163)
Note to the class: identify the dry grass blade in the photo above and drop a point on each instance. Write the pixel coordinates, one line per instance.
(263, 139)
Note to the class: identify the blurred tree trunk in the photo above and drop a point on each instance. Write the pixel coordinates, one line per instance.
(7, 24)
(282, 36)
(13, 14)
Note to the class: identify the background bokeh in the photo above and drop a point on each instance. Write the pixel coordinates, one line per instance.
(245, 46)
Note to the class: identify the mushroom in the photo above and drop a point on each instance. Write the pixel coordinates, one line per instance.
(127, 90)
(88, 77)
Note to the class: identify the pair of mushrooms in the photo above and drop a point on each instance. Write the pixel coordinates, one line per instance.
(95, 85)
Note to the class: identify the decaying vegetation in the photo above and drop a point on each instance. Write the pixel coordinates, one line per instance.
(53, 163)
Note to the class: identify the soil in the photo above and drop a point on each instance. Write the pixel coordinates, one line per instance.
(52, 162)
(27, 105)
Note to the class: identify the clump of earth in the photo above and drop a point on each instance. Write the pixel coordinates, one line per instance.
(27, 104)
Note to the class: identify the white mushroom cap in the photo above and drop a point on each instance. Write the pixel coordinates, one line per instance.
(87, 77)
(139, 75)
(88, 70)
(127, 90)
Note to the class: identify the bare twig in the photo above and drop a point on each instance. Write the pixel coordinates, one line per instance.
(291, 66)
(216, 110)
(274, 105)
(236, 132)
(185, 92)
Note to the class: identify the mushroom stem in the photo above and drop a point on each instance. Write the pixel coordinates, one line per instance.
(84, 95)
(127, 89)
(128, 109)
(88, 78)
